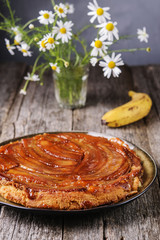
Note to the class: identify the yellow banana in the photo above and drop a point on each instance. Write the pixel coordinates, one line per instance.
(132, 111)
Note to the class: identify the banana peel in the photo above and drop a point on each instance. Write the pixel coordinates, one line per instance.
(137, 108)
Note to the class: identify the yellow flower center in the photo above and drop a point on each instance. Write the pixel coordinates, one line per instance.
(15, 42)
(50, 40)
(15, 33)
(43, 44)
(24, 50)
(148, 49)
(61, 10)
(100, 11)
(98, 44)
(110, 26)
(46, 15)
(63, 30)
(54, 68)
(111, 64)
(8, 46)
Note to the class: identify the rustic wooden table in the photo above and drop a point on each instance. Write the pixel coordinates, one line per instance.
(39, 112)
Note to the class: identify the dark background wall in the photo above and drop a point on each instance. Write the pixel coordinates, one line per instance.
(130, 15)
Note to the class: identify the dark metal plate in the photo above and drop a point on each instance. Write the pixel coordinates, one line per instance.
(150, 172)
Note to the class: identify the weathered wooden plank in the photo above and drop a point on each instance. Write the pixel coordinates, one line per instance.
(10, 79)
(22, 225)
(36, 112)
(151, 85)
(122, 222)
(152, 74)
(139, 219)
(87, 227)
(101, 96)
(43, 113)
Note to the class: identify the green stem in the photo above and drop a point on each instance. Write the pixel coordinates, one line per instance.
(53, 3)
(87, 55)
(128, 50)
(84, 47)
(35, 64)
(11, 13)
(47, 28)
(77, 57)
(127, 36)
(42, 72)
(52, 52)
(29, 22)
(55, 21)
(31, 41)
(3, 16)
(69, 50)
(5, 30)
(40, 66)
(124, 37)
(85, 28)
(39, 30)
(60, 59)
(26, 85)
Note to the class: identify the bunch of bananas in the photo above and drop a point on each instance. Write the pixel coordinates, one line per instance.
(134, 110)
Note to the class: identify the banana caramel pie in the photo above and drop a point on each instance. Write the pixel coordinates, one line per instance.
(68, 171)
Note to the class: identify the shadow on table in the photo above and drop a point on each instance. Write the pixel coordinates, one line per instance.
(101, 89)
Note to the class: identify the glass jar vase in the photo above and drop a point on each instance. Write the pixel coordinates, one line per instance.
(70, 86)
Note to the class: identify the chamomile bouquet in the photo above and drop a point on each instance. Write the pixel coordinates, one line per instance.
(57, 44)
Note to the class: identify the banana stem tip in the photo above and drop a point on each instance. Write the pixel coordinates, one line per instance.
(103, 122)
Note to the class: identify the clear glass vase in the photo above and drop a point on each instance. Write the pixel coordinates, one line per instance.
(71, 86)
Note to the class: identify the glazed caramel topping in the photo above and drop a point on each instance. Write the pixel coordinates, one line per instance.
(68, 162)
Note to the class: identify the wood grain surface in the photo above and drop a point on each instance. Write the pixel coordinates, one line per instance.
(39, 112)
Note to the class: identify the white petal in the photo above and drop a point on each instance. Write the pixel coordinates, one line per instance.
(94, 52)
(116, 58)
(102, 64)
(113, 56)
(95, 3)
(116, 71)
(91, 13)
(93, 19)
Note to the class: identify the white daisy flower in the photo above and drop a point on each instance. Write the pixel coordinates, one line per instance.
(9, 47)
(142, 35)
(42, 44)
(61, 10)
(98, 12)
(108, 30)
(54, 67)
(23, 92)
(33, 77)
(18, 39)
(46, 17)
(63, 31)
(84, 78)
(66, 64)
(31, 26)
(16, 30)
(110, 65)
(99, 47)
(93, 61)
(70, 8)
(24, 48)
(50, 42)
